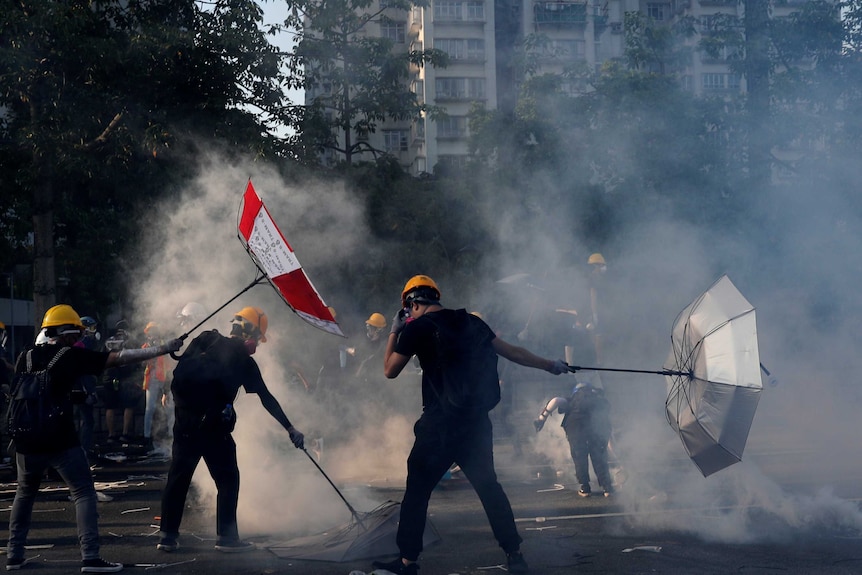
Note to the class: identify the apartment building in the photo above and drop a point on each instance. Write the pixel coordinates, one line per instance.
(483, 39)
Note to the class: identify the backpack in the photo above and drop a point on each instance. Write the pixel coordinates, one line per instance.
(590, 409)
(467, 365)
(35, 415)
(198, 385)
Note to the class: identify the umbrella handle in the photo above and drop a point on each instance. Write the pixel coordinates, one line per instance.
(349, 506)
(575, 368)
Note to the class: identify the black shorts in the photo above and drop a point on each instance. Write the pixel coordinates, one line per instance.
(127, 395)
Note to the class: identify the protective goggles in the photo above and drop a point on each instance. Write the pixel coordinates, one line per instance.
(242, 327)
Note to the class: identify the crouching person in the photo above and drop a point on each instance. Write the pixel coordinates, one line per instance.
(46, 437)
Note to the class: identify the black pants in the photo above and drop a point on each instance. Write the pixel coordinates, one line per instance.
(440, 442)
(588, 445)
(218, 451)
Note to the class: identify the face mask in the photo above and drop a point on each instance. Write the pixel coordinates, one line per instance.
(250, 345)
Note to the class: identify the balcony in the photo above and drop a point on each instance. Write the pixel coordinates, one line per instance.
(560, 14)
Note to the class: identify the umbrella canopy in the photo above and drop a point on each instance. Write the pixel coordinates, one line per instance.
(373, 537)
(712, 403)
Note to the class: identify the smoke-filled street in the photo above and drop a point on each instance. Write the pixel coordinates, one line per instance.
(796, 526)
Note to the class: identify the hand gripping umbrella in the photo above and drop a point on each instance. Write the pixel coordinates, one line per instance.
(713, 376)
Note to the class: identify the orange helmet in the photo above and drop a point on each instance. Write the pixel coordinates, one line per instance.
(376, 320)
(252, 321)
(420, 289)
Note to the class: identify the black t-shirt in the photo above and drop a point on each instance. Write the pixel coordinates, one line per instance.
(417, 338)
(211, 372)
(75, 362)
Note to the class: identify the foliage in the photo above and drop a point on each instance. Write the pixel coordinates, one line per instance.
(106, 103)
(357, 79)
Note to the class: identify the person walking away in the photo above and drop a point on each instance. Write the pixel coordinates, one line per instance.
(206, 381)
(155, 386)
(458, 353)
(58, 445)
(587, 425)
(85, 411)
(122, 389)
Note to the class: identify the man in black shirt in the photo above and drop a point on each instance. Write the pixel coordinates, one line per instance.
(450, 430)
(206, 381)
(61, 330)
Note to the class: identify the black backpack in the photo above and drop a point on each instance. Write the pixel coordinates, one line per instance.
(198, 382)
(468, 365)
(35, 413)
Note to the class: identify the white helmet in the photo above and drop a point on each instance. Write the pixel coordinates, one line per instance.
(191, 314)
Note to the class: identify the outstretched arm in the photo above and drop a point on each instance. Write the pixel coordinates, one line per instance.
(270, 403)
(558, 403)
(527, 358)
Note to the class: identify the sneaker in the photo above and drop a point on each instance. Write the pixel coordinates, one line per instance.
(100, 566)
(14, 563)
(234, 546)
(168, 544)
(584, 491)
(608, 492)
(515, 562)
(397, 566)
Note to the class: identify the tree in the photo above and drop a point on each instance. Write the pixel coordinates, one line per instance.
(102, 97)
(358, 79)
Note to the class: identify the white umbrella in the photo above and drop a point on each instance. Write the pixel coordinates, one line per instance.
(711, 404)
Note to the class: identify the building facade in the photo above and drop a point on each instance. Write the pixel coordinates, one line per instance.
(484, 39)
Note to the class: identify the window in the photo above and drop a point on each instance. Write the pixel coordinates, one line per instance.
(475, 10)
(461, 48)
(452, 127)
(460, 88)
(712, 81)
(721, 82)
(452, 46)
(395, 141)
(447, 11)
(568, 49)
(658, 12)
(475, 49)
(393, 30)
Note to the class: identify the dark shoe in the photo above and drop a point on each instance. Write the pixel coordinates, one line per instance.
(100, 566)
(397, 566)
(516, 563)
(168, 544)
(234, 546)
(14, 563)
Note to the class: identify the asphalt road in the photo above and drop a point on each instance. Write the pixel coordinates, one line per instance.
(562, 532)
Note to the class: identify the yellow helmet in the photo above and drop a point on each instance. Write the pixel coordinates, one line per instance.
(2, 325)
(257, 320)
(61, 315)
(420, 288)
(596, 258)
(376, 320)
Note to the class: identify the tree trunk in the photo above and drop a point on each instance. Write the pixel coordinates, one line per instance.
(44, 276)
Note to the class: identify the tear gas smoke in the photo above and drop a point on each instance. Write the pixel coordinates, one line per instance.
(802, 286)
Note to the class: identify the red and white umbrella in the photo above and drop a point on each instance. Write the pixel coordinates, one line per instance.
(275, 258)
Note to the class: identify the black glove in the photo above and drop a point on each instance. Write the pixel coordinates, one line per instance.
(296, 437)
(539, 424)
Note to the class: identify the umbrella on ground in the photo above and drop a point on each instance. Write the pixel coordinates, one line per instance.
(374, 536)
(714, 341)
(713, 376)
